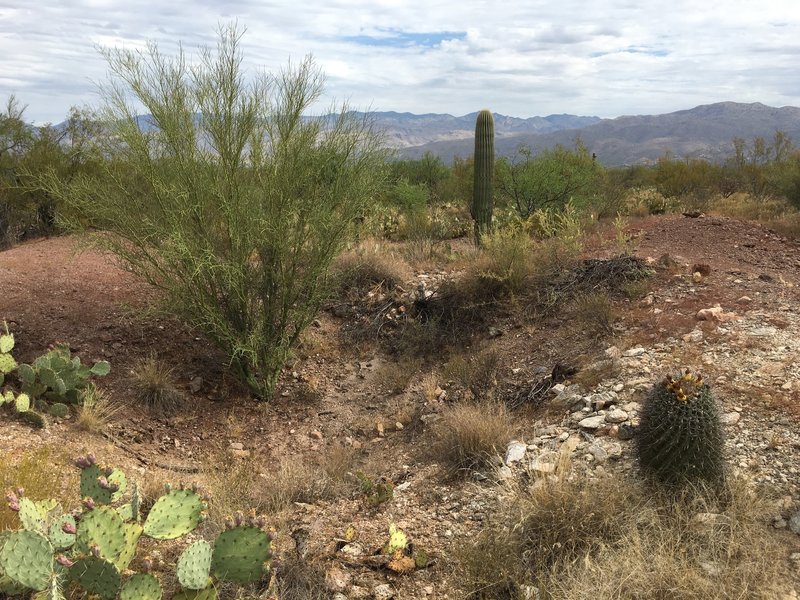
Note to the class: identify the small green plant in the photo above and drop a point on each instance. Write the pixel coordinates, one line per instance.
(376, 491)
(7, 362)
(679, 440)
(58, 376)
(623, 242)
(93, 548)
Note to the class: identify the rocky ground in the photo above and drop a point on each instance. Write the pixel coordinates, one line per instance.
(724, 302)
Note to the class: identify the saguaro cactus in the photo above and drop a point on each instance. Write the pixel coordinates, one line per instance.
(481, 208)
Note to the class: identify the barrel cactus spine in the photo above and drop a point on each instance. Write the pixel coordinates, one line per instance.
(483, 185)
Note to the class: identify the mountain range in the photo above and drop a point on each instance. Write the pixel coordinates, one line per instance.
(705, 131)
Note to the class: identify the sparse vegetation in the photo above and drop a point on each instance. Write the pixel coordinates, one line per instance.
(153, 383)
(471, 437)
(570, 539)
(96, 410)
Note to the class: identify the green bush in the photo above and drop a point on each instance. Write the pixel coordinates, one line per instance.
(228, 197)
(549, 180)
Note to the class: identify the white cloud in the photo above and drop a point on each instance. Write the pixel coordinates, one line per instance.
(519, 58)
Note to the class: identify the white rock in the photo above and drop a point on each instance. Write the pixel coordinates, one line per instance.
(616, 416)
(695, 335)
(633, 352)
(383, 592)
(731, 418)
(593, 422)
(515, 452)
(598, 452)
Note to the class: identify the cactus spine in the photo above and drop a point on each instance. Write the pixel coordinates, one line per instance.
(481, 209)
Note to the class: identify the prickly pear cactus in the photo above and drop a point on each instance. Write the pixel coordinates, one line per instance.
(174, 514)
(194, 566)
(7, 362)
(101, 531)
(96, 576)
(206, 594)
(679, 439)
(104, 486)
(95, 547)
(27, 559)
(141, 586)
(240, 554)
(58, 375)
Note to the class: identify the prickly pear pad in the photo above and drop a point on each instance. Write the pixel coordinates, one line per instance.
(194, 566)
(240, 554)
(60, 538)
(30, 516)
(90, 485)
(96, 576)
(141, 586)
(102, 527)
(206, 594)
(26, 557)
(174, 514)
(133, 531)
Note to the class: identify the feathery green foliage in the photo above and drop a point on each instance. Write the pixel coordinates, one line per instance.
(228, 198)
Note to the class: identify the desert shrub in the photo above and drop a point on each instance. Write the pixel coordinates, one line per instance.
(595, 312)
(469, 437)
(228, 198)
(476, 373)
(548, 180)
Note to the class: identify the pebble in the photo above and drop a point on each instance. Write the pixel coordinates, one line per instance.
(731, 418)
(383, 591)
(634, 352)
(592, 422)
(616, 416)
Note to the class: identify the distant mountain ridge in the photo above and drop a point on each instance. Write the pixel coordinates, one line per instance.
(404, 130)
(705, 131)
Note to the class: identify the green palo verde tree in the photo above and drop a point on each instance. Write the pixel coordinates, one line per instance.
(483, 186)
(227, 196)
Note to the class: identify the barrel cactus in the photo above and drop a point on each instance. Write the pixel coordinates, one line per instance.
(679, 440)
(482, 190)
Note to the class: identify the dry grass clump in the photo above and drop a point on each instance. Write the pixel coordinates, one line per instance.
(153, 383)
(300, 579)
(246, 484)
(42, 473)
(563, 539)
(470, 437)
(357, 272)
(96, 410)
(477, 373)
(595, 313)
(394, 377)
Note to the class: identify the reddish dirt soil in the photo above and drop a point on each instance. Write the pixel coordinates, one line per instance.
(50, 294)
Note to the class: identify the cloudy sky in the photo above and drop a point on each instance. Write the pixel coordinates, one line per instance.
(520, 58)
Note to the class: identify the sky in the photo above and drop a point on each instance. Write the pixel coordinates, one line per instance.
(519, 58)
